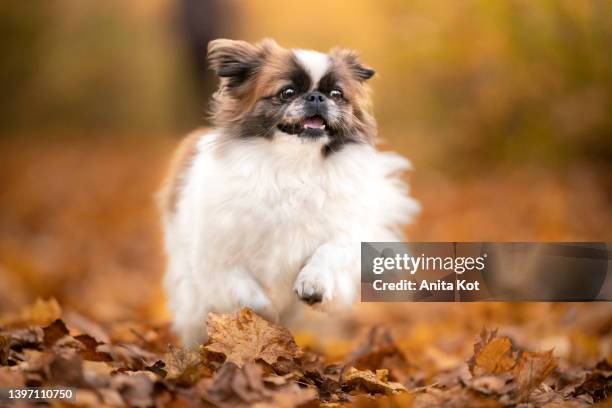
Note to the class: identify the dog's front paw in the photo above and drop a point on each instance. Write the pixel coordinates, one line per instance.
(313, 287)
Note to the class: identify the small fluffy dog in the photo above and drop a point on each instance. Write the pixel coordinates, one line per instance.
(271, 205)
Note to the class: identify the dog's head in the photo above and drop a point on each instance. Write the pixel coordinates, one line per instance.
(268, 91)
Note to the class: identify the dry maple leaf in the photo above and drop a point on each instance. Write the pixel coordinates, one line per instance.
(372, 382)
(492, 355)
(245, 337)
(531, 370)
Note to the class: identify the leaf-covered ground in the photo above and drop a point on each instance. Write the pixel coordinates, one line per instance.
(81, 305)
(248, 361)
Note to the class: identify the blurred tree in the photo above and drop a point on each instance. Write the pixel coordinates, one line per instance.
(21, 45)
(200, 22)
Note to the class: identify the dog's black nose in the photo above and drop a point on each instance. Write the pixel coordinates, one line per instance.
(315, 103)
(315, 97)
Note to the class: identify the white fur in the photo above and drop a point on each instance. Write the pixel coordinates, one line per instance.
(315, 63)
(257, 219)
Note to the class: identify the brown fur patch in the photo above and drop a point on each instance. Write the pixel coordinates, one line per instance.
(168, 194)
(346, 65)
(234, 100)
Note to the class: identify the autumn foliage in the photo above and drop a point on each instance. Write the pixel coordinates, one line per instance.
(249, 361)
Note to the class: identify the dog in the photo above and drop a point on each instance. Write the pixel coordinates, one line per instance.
(270, 206)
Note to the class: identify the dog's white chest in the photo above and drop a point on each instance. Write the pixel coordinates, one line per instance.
(264, 211)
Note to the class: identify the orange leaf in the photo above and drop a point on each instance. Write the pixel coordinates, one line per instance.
(245, 337)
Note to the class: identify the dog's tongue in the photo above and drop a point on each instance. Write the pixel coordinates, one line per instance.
(313, 123)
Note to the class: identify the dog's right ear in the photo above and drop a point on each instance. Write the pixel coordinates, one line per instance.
(235, 60)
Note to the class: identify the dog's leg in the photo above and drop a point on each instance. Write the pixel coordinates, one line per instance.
(330, 275)
(223, 292)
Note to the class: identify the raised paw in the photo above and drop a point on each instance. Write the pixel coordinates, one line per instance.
(313, 288)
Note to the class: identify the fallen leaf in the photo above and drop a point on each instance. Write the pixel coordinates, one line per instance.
(237, 386)
(184, 365)
(245, 337)
(327, 384)
(531, 369)
(245, 386)
(449, 378)
(136, 390)
(379, 350)
(596, 385)
(492, 355)
(90, 351)
(378, 346)
(371, 382)
(55, 331)
(44, 311)
(158, 368)
(25, 338)
(66, 368)
(132, 357)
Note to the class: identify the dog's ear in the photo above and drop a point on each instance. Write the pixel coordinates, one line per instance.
(360, 71)
(237, 61)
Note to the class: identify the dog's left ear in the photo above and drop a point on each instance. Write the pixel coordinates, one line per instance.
(236, 60)
(351, 59)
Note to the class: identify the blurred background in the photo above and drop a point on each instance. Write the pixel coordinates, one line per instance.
(504, 107)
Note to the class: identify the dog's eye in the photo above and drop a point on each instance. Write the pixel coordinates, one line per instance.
(287, 93)
(335, 93)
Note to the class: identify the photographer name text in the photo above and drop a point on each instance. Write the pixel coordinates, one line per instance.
(439, 285)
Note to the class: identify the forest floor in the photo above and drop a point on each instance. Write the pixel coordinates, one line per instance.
(81, 304)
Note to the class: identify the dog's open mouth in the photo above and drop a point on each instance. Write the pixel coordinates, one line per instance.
(315, 122)
(313, 126)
